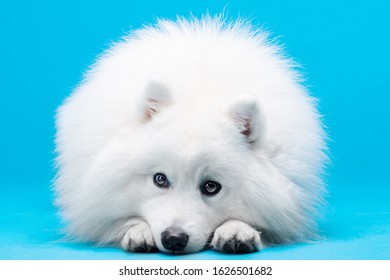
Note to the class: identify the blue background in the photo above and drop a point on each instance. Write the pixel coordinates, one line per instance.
(343, 46)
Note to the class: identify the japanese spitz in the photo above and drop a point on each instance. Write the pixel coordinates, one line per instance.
(187, 135)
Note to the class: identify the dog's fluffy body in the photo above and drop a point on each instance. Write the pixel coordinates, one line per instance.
(195, 100)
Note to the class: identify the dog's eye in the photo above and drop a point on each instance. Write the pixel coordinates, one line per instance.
(161, 180)
(210, 188)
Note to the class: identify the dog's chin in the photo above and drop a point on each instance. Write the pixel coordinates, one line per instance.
(190, 249)
(184, 252)
(199, 243)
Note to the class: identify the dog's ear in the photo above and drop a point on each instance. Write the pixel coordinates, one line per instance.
(156, 97)
(246, 113)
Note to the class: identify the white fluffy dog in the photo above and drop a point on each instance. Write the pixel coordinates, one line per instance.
(187, 135)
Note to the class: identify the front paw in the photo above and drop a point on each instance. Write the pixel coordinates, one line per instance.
(236, 237)
(138, 237)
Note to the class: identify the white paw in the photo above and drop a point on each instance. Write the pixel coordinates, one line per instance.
(236, 237)
(138, 237)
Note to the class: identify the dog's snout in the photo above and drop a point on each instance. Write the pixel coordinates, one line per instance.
(174, 239)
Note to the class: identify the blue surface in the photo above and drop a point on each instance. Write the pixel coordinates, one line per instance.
(343, 46)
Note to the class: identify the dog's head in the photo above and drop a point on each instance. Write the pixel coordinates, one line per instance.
(191, 167)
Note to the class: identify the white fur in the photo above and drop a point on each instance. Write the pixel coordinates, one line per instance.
(193, 99)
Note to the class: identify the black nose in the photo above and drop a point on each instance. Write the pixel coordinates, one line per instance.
(174, 239)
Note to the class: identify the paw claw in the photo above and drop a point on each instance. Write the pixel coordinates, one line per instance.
(235, 246)
(144, 248)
